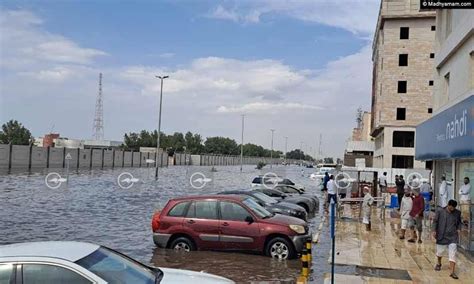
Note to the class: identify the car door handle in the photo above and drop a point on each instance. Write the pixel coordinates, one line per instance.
(191, 221)
(225, 224)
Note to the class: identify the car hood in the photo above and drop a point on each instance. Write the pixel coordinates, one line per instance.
(178, 276)
(288, 205)
(283, 220)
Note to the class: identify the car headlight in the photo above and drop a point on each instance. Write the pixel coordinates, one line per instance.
(291, 212)
(298, 229)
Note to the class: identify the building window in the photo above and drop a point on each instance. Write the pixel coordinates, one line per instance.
(433, 28)
(402, 162)
(431, 83)
(431, 55)
(403, 60)
(430, 110)
(446, 85)
(401, 113)
(403, 139)
(404, 32)
(402, 87)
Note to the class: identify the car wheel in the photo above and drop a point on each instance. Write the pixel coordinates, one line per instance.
(280, 248)
(304, 206)
(182, 244)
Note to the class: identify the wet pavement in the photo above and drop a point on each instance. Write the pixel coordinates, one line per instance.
(379, 256)
(93, 208)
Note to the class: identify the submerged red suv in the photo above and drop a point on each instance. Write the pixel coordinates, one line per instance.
(227, 222)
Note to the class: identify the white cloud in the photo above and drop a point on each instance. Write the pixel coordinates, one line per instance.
(167, 55)
(25, 44)
(357, 16)
(259, 107)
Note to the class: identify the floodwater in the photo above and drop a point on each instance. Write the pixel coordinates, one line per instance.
(92, 207)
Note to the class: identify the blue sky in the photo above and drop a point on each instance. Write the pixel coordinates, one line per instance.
(272, 60)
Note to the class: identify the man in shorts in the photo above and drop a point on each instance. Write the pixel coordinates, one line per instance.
(446, 227)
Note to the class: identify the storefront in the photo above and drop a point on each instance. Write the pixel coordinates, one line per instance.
(447, 139)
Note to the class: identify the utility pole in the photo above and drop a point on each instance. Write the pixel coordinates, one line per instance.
(320, 142)
(271, 151)
(242, 144)
(286, 148)
(159, 126)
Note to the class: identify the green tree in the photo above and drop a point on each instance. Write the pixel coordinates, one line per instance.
(221, 145)
(15, 133)
(193, 143)
(328, 160)
(296, 154)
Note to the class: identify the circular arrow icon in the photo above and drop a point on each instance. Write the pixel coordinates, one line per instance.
(343, 180)
(414, 180)
(270, 180)
(54, 180)
(199, 180)
(126, 180)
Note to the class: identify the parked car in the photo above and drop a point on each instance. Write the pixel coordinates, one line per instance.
(273, 181)
(293, 190)
(81, 263)
(287, 181)
(307, 203)
(227, 222)
(272, 205)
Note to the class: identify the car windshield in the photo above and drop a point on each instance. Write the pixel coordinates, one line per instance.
(263, 197)
(115, 268)
(257, 209)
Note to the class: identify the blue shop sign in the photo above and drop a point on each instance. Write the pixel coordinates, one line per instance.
(449, 134)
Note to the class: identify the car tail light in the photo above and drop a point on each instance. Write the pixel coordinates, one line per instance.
(155, 221)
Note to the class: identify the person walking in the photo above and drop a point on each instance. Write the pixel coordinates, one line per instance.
(366, 208)
(400, 183)
(465, 191)
(325, 189)
(332, 189)
(443, 193)
(426, 188)
(446, 227)
(416, 214)
(383, 186)
(405, 209)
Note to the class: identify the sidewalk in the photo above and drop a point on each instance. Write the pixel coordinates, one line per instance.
(381, 248)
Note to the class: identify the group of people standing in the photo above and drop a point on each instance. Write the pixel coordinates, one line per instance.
(447, 220)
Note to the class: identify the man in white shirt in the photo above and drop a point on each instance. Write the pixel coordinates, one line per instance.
(332, 189)
(465, 191)
(443, 193)
(383, 186)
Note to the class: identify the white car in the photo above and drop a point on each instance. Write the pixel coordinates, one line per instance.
(85, 263)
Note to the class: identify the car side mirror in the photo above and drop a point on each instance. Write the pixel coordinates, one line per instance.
(249, 219)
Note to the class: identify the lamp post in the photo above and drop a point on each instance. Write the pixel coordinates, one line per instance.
(271, 151)
(242, 144)
(159, 126)
(286, 148)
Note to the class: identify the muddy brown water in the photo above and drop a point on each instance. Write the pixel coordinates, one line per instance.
(93, 208)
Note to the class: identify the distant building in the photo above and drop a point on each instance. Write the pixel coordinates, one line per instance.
(447, 139)
(87, 144)
(403, 59)
(360, 146)
(48, 139)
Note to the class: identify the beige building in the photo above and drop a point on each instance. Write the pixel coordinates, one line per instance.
(403, 59)
(360, 146)
(447, 139)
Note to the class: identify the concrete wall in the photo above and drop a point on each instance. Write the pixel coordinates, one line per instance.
(127, 159)
(108, 158)
(4, 156)
(56, 158)
(97, 158)
(84, 158)
(20, 157)
(39, 157)
(136, 159)
(118, 160)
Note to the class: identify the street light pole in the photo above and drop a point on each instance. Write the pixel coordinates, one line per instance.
(242, 144)
(159, 126)
(271, 151)
(286, 148)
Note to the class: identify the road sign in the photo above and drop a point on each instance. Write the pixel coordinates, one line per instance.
(68, 156)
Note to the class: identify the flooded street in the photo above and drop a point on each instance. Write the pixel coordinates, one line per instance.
(93, 208)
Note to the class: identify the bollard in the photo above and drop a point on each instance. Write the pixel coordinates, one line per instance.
(309, 250)
(304, 260)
